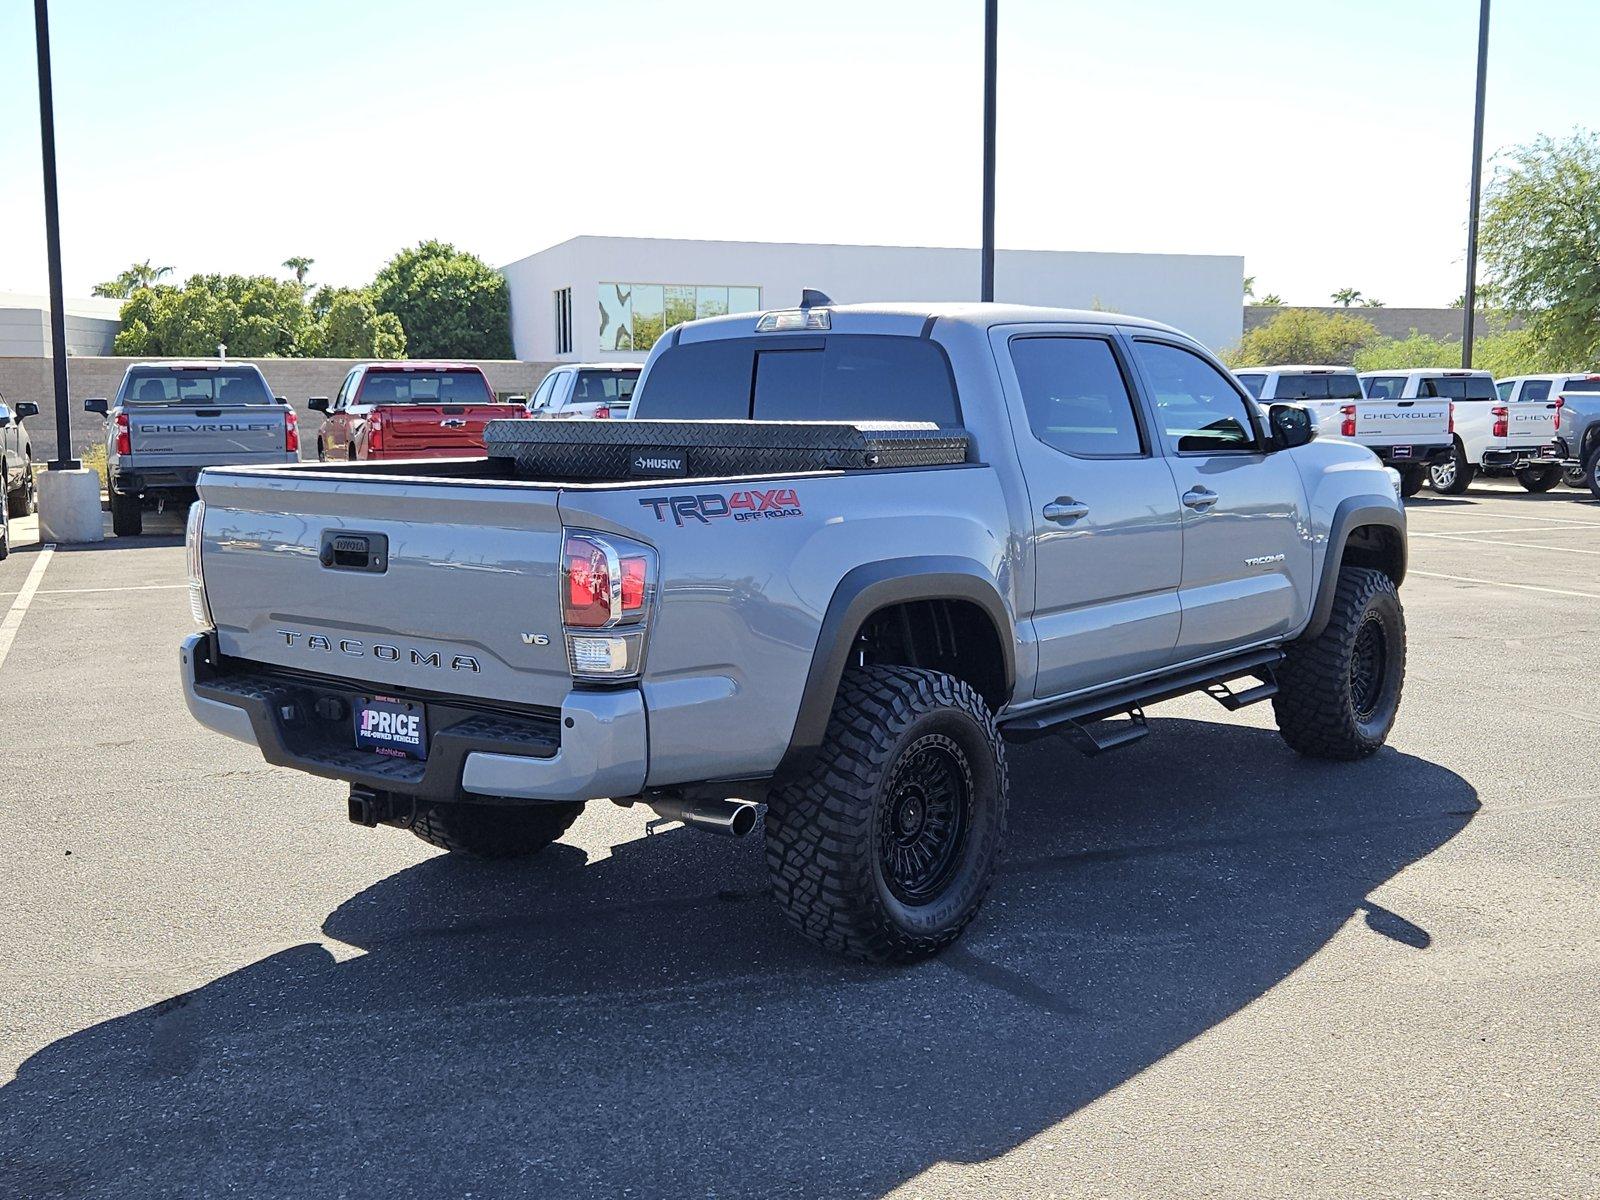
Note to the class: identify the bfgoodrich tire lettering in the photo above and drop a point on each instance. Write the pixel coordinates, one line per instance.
(1339, 692)
(886, 847)
(493, 830)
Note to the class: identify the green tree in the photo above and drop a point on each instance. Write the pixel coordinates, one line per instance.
(139, 275)
(254, 315)
(1270, 300)
(1302, 335)
(1372, 304)
(1540, 241)
(1414, 350)
(1345, 297)
(1249, 287)
(300, 265)
(1501, 353)
(450, 304)
(346, 324)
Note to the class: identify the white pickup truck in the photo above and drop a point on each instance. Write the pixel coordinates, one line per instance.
(1408, 435)
(1554, 389)
(1489, 435)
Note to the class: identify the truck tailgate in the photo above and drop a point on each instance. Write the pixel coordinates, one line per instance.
(1398, 422)
(237, 433)
(440, 428)
(435, 586)
(1530, 423)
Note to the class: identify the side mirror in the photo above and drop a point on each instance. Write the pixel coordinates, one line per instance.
(281, 400)
(27, 409)
(1291, 426)
(318, 404)
(97, 405)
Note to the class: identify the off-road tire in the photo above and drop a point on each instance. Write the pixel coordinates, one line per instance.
(1411, 480)
(493, 830)
(127, 515)
(1452, 482)
(1321, 708)
(1538, 479)
(829, 831)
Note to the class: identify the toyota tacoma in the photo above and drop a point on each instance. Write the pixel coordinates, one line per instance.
(837, 559)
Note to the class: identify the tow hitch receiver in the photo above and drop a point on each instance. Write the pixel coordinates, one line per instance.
(370, 808)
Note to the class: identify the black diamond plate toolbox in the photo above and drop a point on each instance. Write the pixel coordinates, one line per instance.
(619, 450)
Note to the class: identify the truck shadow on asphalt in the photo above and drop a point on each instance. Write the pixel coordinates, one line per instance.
(647, 1021)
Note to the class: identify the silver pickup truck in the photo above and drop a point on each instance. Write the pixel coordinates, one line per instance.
(171, 420)
(838, 556)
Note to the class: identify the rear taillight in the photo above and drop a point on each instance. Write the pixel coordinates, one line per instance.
(606, 587)
(124, 437)
(603, 412)
(1501, 424)
(1347, 422)
(199, 605)
(1452, 426)
(1561, 402)
(375, 432)
(291, 432)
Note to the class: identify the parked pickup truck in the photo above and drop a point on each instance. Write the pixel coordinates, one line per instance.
(171, 420)
(839, 556)
(16, 467)
(600, 390)
(1488, 435)
(1407, 435)
(408, 410)
(1576, 397)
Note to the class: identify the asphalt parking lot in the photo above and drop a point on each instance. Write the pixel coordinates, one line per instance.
(1208, 968)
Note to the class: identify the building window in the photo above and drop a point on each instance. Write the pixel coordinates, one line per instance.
(564, 320)
(634, 315)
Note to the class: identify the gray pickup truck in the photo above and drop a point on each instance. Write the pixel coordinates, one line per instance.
(1020, 522)
(171, 420)
(16, 467)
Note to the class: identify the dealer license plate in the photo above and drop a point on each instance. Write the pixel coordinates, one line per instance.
(386, 725)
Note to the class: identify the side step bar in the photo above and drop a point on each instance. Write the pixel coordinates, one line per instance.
(1074, 716)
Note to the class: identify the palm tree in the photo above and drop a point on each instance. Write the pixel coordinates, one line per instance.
(139, 275)
(1249, 286)
(300, 265)
(1345, 297)
(1270, 300)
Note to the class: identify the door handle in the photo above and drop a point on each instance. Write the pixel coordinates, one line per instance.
(1065, 510)
(1199, 498)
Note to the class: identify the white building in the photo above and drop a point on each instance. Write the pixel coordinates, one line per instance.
(92, 325)
(609, 298)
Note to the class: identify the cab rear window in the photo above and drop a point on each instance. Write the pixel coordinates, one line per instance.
(1317, 387)
(839, 377)
(424, 387)
(1458, 387)
(199, 386)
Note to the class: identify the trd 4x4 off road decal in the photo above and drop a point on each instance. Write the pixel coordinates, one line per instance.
(753, 505)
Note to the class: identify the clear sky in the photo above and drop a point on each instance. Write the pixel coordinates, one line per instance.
(1327, 143)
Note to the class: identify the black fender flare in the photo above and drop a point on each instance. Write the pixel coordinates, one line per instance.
(862, 592)
(1352, 512)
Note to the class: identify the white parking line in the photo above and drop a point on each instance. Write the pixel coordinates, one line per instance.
(19, 606)
(1453, 537)
(1500, 583)
(132, 587)
(1568, 527)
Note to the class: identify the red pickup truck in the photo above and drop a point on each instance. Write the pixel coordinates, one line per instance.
(409, 410)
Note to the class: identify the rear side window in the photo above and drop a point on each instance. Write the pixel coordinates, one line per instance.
(201, 386)
(1534, 389)
(1197, 406)
(1385, 387)
(1591, 384)
(424, 387)
(1457, 387)
(1252, 383)
(605, 387)
(842, 377)
(1318, 387)
(1502, 391)
(1075, 395)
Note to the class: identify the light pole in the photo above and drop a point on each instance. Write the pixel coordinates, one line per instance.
(52, 237)
(991, 17)
(1470, 306)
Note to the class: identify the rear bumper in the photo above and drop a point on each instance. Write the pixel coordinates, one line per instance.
(1524, 456)
(154, 480)
(1414, 455)
(466, 450)
(595, 747)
